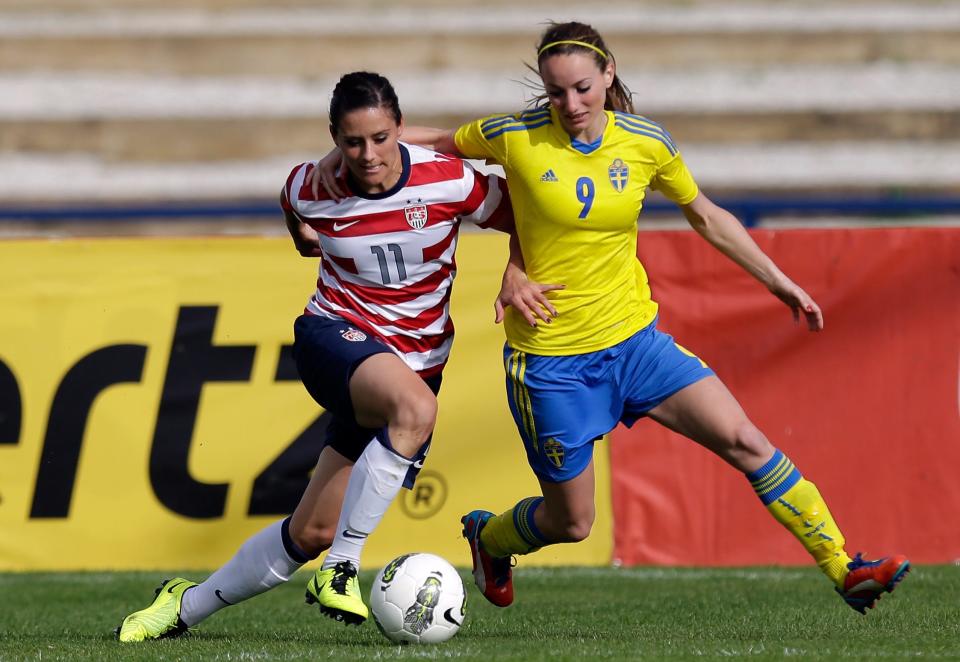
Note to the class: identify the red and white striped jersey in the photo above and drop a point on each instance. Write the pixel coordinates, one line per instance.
(387, 263)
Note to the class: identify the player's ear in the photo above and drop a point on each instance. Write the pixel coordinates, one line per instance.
(333, 133)
(400, 128)
(609, 73)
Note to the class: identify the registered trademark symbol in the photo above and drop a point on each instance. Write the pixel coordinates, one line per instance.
(427, 497)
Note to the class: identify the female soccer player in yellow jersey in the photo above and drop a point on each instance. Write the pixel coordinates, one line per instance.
(577, 168)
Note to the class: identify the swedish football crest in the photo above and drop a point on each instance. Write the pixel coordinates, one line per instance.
(553, 451)
(619, 173)
(416, 216)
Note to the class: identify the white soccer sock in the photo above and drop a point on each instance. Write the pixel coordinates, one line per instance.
(374, 482)
(261, 563)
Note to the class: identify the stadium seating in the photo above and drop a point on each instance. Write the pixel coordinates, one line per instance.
(186, 99)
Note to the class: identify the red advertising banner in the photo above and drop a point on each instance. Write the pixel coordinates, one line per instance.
(869, 409)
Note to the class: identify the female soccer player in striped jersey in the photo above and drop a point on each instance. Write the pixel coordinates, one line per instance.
(370, 348)
(578, 167)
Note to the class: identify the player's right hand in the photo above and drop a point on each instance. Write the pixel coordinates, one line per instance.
(306, 241)
(526, 296)
(325, 175)
(799, 302)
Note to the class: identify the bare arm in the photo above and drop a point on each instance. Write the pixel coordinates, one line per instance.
(325, 174)
(516, 289)
(726, 234)
(439, 140)
(528, 297)
(305, 238)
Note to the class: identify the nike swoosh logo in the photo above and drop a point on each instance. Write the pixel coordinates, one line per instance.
(337, 226)
(222, 599)
(347, 534)
(170, 588)
(448, 615)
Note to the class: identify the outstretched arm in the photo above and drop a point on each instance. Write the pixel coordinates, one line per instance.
(726, 234)
(439, 140)
(325, 174)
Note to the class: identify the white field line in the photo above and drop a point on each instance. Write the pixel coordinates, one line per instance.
(651, 574)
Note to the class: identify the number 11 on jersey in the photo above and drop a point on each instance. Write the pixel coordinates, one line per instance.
(382, 260)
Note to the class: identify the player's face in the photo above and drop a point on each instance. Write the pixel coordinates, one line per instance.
(368, 139)
(577, 88)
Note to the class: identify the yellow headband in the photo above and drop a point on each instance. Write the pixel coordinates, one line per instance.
(575, 43)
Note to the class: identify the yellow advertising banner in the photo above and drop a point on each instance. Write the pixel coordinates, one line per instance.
(151, 416)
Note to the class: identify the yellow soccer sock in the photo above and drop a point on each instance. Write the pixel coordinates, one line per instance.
(513, 531)
(797, 504)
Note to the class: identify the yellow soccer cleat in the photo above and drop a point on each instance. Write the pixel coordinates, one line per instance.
(337, 591)
(161, 619)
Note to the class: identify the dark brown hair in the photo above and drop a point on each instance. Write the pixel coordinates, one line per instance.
(362, 89)
(619, 96)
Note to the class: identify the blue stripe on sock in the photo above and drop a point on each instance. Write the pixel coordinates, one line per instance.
(534, 504)
(293, 549)
(524, 522)
(773, 478)
(383, 436)
(767, 468)
(764, 478)
(792, 479)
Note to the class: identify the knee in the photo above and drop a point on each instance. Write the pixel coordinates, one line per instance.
(418, 411)
(579, 530)
(747, 445)
(573, 528)
(415, 415)
(312, 538)
(749, 439)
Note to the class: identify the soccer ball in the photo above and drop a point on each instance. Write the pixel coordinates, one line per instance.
(419, 599)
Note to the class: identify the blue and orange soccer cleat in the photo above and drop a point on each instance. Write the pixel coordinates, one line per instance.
(868, 580)
(492, 575)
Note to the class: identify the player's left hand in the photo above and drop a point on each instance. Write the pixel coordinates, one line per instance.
(800, 303)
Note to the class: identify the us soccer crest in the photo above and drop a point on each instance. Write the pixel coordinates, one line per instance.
(353, 335)
(619, 173)
(416, 216)
(553, 450)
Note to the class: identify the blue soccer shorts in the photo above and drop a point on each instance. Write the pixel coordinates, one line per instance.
(563, 404)
(327, 352)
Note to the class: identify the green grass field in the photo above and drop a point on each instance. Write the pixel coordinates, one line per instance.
(560, 614)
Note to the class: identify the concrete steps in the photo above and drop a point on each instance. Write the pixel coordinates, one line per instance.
(211, 87)
(307, 56)
(833, 167)
(125, 117)
(310, 42)
(216, 139)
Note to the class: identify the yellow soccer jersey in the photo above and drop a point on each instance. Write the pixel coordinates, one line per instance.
(576, 218)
